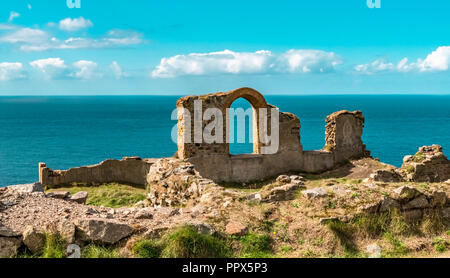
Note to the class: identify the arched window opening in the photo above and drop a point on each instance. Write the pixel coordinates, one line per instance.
(241, 127)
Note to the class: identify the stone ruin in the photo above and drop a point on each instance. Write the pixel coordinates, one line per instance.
(213, 160)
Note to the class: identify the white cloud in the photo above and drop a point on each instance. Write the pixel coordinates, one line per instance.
(117, 70)
(86, 70)
(51, 67)
(26, 36)
(305, 61)
(69, 24)
(11, 71)
(438, 60)
(38, 40)
(212, 63)
(378, 65)
(13, 15)
(259, 62)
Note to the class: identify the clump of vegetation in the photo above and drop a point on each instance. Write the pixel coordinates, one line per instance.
(433, 224)
(410, 169)
(418, 157)
(256, 246)
(147, 249)
(398, 248)
(99, 252)
(54, 247)
(111, 195)
(344, 233)
(187, 242)
(440, 244)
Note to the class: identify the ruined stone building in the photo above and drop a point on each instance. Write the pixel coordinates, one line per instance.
(214, 161)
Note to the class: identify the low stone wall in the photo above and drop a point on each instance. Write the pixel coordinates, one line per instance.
(130, 170)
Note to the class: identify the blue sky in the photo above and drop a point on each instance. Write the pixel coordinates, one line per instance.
(185, 47)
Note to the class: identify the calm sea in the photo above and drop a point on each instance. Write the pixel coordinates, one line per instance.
(67, 132)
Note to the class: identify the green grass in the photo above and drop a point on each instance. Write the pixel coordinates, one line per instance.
(256, 246)
(111, 195)
(147, 249)
(186, 242)
(398, 248)
(440, 244)
(54, 248)
(99, 252)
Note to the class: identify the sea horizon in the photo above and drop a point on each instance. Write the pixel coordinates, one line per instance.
(72, 131)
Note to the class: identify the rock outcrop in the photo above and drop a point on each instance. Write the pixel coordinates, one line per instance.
(173, 182)
(429, 164)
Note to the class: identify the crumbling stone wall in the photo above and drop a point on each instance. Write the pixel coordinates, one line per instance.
(130, 170)
(212, 160)
(343, 135)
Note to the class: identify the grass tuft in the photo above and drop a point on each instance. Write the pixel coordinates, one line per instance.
(186, 242)
(147, 249)
(99, 252)
(256, 246)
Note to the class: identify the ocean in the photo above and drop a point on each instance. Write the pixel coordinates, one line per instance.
(73, 131)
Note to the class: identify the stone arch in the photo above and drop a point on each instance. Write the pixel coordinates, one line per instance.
(257, 101)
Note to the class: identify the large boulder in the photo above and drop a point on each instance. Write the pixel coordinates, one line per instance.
(429, 164)
(388, 204)
(386, 176)
(317, 192)
(28, 188)
(9, 246)
(102, 230)
(33, 239)
(79, 197)
(405, 193)
(59, 194)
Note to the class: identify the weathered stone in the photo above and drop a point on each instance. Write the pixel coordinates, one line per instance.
(386, 176)
(374, 251)
(103, 230)
(254, 197)
(407, 158)
(315, 193)
(58, 194)
(236, 228)
(9, 246)
(406, 192)
(296, 178)
(7, 232)
(446, 213)
(281, 193)
(28, 188)
(338, 190)
(419, 202)
(283, 179)
(370, 208)
(388, 204)
(73, 251)
(33, 239)
(143, 214)
(413, 215)
(438, 198)
(202, 227)
(79, 197)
